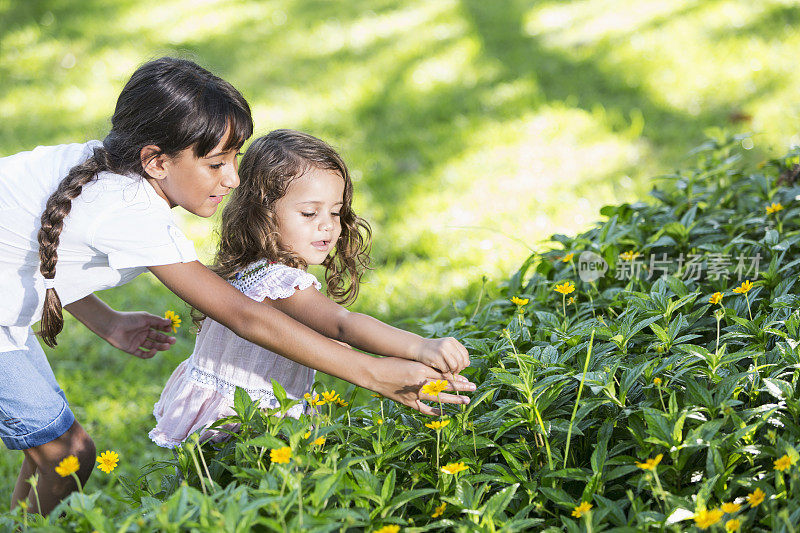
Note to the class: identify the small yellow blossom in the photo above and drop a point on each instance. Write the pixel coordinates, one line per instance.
(715, 298)
(306, 434)
(439, 511)
(519, 301)
(330, 396)
(581, 509)
(342, 403)
(567, 258)
(651, 463)
(744, 288)
(705, 518)
(434, 387)
(69, 465)
(174, 318)
(108, 461)
(565, 287)
(629, 256)
(570, 300)
(454, 468)
(774, 208)
(313, 400)
(657, 382)
(388, 529)
(379, 421)
(734, 524)
(783, 463)
(280, 455)
(756, 497)
(731, 507)
(377, 395)
(437, 424)
(319, 442)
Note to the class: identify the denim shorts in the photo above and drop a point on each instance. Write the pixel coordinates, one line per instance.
(33, 408)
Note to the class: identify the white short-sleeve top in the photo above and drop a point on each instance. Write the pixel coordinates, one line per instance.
(117, 227)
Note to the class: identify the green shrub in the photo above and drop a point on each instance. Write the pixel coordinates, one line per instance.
(638, 406)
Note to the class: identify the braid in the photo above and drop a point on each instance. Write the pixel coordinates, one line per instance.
(58, 207)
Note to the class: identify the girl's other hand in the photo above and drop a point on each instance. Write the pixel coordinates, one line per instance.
(140, 334)
(447, 355)
(402, 380)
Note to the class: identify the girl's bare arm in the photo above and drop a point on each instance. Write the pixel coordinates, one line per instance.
(315, 310)
(397, 379)
(136, 333)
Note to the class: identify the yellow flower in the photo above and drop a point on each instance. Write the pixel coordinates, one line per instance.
(774, 208)
(280, 455)
(439, 511)
(783, 463)
(330, 396)
(657, 382)
(434, 387)
(567, 258)
(629, 256)
(313, 401)
(319, 442)
(388, 529)
(437, 424)
(705, 518)
(715, 298)
(519, 301)
(174, 318)
(581, 509)
(68, 465)
(377, 395)
(744, 288)
(734, 524)
(756, 497)
(342, 402)
(379, 421)
(306, 434)
(571, 300)
(651, 463)
(565, 287)
(731, 507)
(454, 468)
(108, 461)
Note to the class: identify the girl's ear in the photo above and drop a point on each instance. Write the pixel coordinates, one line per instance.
(153, 159)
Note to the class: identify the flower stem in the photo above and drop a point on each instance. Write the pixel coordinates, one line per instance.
(578, 401)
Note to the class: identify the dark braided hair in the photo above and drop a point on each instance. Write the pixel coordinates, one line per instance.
(170, 103)
(249, 229)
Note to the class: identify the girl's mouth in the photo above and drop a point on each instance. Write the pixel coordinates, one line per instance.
(216, 199)
(320, 245)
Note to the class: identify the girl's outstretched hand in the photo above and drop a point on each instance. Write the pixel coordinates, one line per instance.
(402, 380)
(447, 355)
(139, 334)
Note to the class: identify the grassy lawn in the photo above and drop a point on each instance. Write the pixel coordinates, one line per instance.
(473, 129)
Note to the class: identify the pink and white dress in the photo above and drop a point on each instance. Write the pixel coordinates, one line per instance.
(200, 391)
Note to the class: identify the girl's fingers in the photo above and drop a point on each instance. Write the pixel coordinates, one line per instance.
(425, 409)
(157, 336)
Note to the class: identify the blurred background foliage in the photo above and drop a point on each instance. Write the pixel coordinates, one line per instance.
(473, 129)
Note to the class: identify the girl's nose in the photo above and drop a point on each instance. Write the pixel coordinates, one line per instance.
(231, 179)
(326, 224)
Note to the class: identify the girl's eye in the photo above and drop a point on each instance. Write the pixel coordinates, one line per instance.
(216, 165)
(334, 214)
(308, 215)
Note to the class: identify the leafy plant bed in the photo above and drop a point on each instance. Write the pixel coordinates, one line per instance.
(661, 395)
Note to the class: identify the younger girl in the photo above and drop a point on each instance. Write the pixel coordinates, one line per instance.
(78, 218)
(292, 210)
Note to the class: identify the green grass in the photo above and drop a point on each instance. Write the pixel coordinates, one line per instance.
(474, 129)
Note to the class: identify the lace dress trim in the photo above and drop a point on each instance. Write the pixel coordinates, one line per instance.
(264, 279)
(210, 380)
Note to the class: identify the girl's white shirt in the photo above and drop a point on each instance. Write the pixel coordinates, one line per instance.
(117, 227)
(201, 390)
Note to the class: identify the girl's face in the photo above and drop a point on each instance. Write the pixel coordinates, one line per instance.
(308, 214)
(198, 184)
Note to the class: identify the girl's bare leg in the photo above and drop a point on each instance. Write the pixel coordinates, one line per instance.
(22, 488)
(52, 488)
